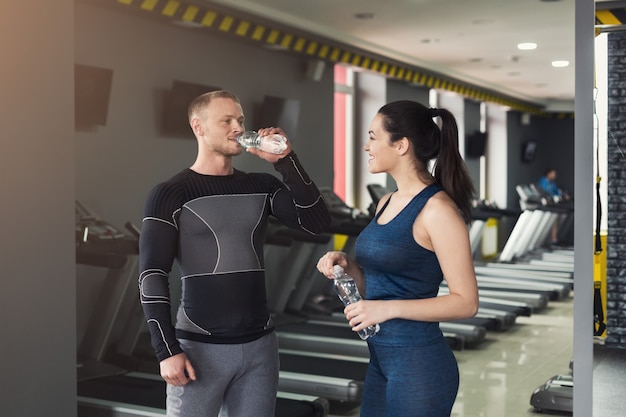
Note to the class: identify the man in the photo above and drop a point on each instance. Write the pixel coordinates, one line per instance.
(548, 184)
(222, 355)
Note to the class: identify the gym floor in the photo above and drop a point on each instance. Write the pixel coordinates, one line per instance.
(499, 376)
(609, 379)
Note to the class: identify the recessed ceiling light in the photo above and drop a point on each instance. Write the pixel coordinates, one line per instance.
(527, 46)
(560, 64)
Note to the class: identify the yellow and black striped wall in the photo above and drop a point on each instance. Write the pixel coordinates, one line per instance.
(267, 33)
(609, 16)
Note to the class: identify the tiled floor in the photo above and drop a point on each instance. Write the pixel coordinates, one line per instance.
(498, 378)
(609, 380)
(499, 375)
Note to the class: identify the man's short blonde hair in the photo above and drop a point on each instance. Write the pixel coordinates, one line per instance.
(200, 102)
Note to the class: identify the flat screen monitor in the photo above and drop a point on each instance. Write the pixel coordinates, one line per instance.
(177, 100)
(92, 90)
(279, 112)
(476, 145)
(529, 149)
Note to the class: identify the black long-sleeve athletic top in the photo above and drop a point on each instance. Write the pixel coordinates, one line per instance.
(214, 227)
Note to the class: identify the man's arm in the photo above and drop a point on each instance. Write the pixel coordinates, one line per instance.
(311, 213)
(157, 250)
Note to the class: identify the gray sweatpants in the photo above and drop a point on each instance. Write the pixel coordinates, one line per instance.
(231, 380)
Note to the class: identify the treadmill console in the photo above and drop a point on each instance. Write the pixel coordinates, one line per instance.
(344, 219)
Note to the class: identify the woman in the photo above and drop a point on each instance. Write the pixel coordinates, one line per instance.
(418, 236)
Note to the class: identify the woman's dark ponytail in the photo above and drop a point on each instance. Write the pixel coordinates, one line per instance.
(450, 171)
(414, 121)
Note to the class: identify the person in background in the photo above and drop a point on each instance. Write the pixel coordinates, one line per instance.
(221, 355)
(417, 238)
(548, 184)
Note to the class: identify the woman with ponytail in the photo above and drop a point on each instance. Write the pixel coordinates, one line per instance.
(417, 238)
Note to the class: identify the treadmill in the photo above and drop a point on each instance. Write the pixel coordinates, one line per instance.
(531, 229)
(317, 302)
(136, 394)
(106, 383)
(106, 260)
(490, 317)
(294, 323)
(335, 377)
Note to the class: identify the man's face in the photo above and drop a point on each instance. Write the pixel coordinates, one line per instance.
(222, 122)
(552, 175)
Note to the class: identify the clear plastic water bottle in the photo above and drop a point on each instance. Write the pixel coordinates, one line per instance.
(271, 143)
(346, 289)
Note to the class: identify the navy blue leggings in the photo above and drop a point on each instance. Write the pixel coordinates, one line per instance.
(410, 381)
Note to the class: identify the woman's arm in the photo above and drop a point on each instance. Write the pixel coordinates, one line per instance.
(327, 262)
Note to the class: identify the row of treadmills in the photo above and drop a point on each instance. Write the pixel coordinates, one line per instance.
(323, 363)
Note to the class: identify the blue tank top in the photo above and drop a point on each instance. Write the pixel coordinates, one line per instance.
(398, 268)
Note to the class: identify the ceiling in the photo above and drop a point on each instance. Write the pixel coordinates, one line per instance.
(470, 41)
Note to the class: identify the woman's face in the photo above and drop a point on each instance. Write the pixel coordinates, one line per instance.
(382, 154)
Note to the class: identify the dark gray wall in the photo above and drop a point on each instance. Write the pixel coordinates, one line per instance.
(37, 183)
(555, 148)
(37, 177)
(119, 162)
(472, 124)
(616, 189)
(399, 90)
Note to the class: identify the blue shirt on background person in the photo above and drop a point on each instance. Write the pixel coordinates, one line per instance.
(548, 183)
